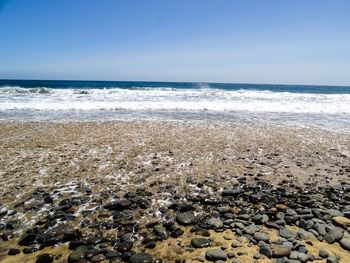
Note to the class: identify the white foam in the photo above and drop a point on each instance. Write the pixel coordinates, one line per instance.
(43, 99)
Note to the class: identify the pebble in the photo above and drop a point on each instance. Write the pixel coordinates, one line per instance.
(141, 258)
(200, 242)
(258, 236)
(279, 251)
(45, 258)
(215, 254)
(185, 218)
(13, 251)
(345, 243)
(333, 235)
(323, 253)
(332, 259)
(77, 254)
(98, 258)
(215, 222)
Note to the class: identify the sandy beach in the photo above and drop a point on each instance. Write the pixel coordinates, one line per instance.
(144, 191)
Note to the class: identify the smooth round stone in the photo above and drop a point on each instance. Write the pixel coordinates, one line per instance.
(45, 258)
(279, 251)
(345, 243)
(113, 254)
(323, 253)
(77, 254)
(151, 244)
(261, 237)
(215, 255)
(200, 242)
(29, 250)
(13, 251)
(185, 218)
(332, 259)
(141, 258)
(215, 222)
(285, 233)
(334, 235)
(125, 246)
(98, 258)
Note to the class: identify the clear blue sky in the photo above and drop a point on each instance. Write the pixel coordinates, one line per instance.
(252, 41)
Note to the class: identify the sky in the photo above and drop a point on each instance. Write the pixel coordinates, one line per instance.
(239, 41)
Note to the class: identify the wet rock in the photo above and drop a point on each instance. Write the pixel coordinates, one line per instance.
(77, 243)
(45, 258)
(185, 218)
(29, 239)
(118, 205)
(231, 192)
(200, 242)
(345, 243)
(13, 251)
(150, 245)
(77, 254)
(113, 254)
(175, 232)
(333, 235)
(160, 231)
(141, 258)
(94, 240)
(215, 255)
(29, 250)
(124, 246)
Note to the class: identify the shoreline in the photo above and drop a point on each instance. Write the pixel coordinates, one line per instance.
(218, 175)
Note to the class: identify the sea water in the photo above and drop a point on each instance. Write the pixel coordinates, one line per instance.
(37, 100)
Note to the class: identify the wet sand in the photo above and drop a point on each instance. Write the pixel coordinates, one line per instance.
(131, 181)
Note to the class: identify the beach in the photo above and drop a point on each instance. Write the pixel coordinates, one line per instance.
(190, 191)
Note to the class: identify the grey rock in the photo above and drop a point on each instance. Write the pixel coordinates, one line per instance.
(215, 254)
(285, 233)
(279, 251)
(334, 235)
(77, 254)
(287, 260)
(215, 222)
(141, 258)
(323, 253)
(332, 259)
(200, 242)
(185, 218)
(98, 258)
(266, 251)
(250, 230)
(258, 236)
(345, 243)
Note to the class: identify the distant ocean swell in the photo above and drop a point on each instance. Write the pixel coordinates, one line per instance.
(30, 100)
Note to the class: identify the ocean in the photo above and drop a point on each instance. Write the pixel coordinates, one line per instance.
(325, 107)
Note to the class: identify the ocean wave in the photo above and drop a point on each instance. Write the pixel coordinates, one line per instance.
(21, 90)
(165, 98)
